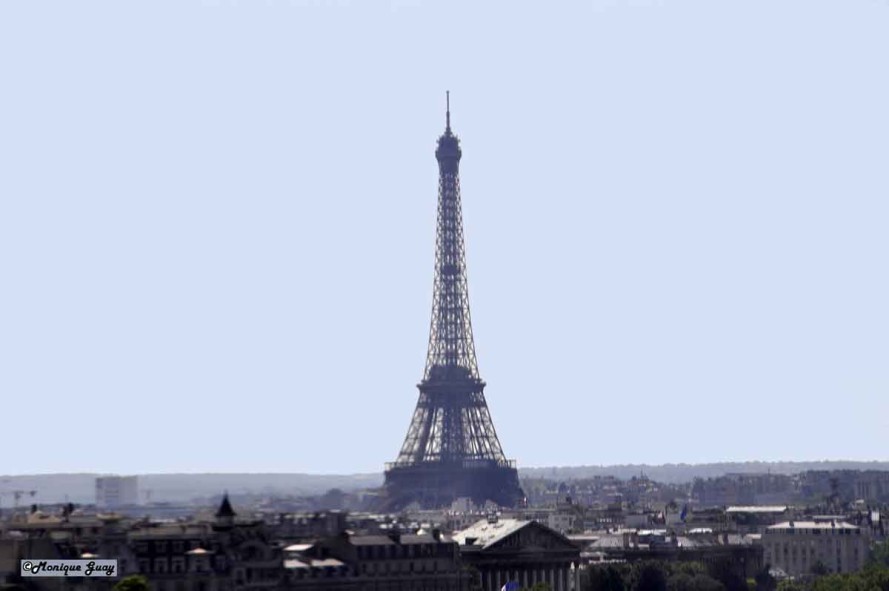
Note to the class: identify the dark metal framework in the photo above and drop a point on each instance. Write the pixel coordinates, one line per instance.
(451, 449)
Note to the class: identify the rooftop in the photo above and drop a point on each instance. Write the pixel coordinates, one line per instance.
(306, 563)
(485, 533)
(417, 539)
(812, 525)
(225, 508)
(298, 547)
(371, 541)
(185, 530)
(199, 552)
(757, 509)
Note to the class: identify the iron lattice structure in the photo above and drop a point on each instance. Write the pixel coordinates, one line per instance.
(451, 449)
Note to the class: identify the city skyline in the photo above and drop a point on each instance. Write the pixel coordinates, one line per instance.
(218, 219)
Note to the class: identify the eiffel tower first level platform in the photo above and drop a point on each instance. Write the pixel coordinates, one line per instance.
(451, 450)
(438, 484)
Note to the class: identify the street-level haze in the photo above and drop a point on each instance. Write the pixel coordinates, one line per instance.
(217, 227)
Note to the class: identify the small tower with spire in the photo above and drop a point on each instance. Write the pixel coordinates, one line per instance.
(225, 515)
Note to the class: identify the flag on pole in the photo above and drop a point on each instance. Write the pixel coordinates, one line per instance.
(510, 586)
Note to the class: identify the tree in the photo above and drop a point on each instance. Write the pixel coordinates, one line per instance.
(651, 578)
(605, 578)
(765, 581)
(725, 571)
(879, 555)
(333, 499)
(837, 583)
(689, 568)
(680, 582)
(683, 580)
(132, 583)
(790, 585)
(875, 577)
(819, 569)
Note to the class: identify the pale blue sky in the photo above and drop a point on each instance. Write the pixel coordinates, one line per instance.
(217, 218)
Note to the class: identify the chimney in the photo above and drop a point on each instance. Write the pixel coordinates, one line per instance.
(436, 534)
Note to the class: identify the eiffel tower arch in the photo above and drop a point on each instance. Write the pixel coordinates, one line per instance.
(451, 449)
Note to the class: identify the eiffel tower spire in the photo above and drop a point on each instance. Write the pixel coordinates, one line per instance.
(451, 448)
(451, 344)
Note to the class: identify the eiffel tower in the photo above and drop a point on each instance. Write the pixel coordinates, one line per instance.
(451, 449)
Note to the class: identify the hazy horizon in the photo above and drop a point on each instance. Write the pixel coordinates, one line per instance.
(380, 471)
(217, 223)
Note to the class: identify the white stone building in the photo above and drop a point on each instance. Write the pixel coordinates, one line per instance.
(796, 547)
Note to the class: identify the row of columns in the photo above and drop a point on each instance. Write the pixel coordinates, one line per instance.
(556, 576)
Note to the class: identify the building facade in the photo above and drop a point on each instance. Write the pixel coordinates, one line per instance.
(806, 547)
(392, 562)
(525, 552)
(113, 492)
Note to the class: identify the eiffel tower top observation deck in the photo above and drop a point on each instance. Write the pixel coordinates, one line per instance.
(451, 428)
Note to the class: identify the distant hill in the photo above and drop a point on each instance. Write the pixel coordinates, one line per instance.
(183, 487)
(80, 488)
(678, 473)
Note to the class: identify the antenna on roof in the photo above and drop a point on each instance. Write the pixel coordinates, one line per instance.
(448, 112)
